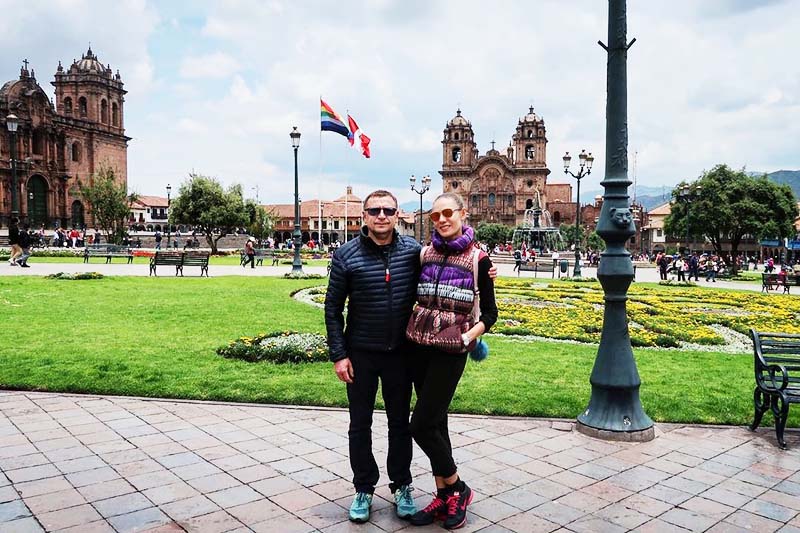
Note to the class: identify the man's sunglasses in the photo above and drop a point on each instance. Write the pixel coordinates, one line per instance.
(375, 211)
(446, 213)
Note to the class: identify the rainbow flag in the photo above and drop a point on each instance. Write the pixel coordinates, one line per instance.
(331, 120)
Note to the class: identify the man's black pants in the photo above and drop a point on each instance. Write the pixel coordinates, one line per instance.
(393, 371)
(436, 375)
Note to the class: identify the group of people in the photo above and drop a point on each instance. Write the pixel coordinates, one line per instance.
(381, 275)
(20, 242)
(690, 266)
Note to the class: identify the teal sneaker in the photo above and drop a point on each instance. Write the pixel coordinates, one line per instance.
(359, 509)
(404, 502)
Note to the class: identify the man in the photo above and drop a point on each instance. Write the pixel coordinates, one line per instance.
(694, 267)
(378, 272)
(517, 260)
(13, 240)
(25, 246)
(158, 239)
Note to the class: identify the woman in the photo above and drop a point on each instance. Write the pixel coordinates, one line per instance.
(444, 329)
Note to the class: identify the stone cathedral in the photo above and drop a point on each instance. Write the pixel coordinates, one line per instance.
(498, 187)
(60, 142)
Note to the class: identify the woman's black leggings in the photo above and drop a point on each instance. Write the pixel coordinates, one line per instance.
(436, 375)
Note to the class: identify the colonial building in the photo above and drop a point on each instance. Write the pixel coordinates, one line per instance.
(149, 213)
(328, 218)
(59, 143)
(500, 187)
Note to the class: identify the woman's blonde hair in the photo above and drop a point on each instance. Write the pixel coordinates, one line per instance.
(452, 196)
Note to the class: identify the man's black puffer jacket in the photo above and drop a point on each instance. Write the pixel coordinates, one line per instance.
(378, 310)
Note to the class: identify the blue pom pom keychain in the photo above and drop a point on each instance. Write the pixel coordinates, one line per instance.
(480, 352)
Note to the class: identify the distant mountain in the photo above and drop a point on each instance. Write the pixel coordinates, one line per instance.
(789, 177)
(412, 206)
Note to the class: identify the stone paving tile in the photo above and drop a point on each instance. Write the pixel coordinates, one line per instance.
(23, 525)
(174, 466)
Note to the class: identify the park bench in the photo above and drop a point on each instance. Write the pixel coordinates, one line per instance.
(4, 241)
(777, 367)
(108, 251)
(545, 266)
(774, 281)
(261, 254)
(179, 260)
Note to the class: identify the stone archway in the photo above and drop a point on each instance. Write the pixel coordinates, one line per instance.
(37, 201)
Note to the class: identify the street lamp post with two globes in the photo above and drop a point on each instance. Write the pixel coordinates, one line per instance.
(586, 161)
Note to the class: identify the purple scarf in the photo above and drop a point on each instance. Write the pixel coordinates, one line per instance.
(457, 245)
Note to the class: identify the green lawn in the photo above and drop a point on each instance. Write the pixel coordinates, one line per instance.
(156, 337)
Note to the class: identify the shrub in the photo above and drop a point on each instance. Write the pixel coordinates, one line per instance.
(290, 275)
(278, 347)
(77, 275)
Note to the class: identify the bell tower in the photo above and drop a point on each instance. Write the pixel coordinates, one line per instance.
(460, 150)
(530, 142)
(89, 91)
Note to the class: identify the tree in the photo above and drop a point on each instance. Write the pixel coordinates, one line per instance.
(595, 242)
(261, 220)
(493, 234)
(731, 205)
(109, 202)
(204, 204)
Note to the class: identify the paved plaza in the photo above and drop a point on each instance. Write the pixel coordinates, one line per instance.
(92, 464)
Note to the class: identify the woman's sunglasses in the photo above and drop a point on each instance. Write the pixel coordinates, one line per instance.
(375, 211)
(446, 213)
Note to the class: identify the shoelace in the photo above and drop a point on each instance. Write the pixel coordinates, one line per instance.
(405, 492)
(361, 497)
(434, 505)
(452, 502)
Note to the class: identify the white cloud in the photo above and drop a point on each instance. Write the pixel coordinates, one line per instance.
(217, 86)
(209, 66)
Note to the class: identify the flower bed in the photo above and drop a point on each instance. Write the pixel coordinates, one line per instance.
(77, 275)
(658, 317)
(278, 347)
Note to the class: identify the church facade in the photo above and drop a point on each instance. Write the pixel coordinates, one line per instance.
(498, 188)
(61, 143)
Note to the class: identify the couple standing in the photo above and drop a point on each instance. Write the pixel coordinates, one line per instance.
(386, 338)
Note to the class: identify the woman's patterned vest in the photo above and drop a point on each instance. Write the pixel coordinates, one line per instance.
(445, 296)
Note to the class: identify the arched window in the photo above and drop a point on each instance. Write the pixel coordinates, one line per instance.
(68, 105)
(491, 199)
(474, 200)
(76, 151)
(530, 134)
(77, 214)
(38, 142)
(82, 106)
(104, 111)
(37, 201)
(456, 154)
(510, 201)
(528, 204)
(529, 152)
(557, 218)
(455, 136)
(114, 114)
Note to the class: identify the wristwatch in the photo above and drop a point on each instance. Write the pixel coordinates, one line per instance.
(465, 340)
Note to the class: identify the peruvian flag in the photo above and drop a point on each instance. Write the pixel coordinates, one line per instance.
(355, 130)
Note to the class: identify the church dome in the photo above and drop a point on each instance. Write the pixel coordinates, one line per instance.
(89, 64)
(531, 116)
(458, 120)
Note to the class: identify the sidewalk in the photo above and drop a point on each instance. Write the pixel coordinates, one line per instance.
(93, 464)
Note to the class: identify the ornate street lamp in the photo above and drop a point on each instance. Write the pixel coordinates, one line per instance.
(687, 194)
(425, 185)
(297, 263)
(12, 123)
(615, 410)
(586, 161)
(169, 227)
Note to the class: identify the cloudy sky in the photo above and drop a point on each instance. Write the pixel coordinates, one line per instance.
(215, 86)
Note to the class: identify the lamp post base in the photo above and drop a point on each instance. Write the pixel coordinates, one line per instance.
(643, 435)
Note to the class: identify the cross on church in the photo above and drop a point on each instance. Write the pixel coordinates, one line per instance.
(492, 145)
(25, 62)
